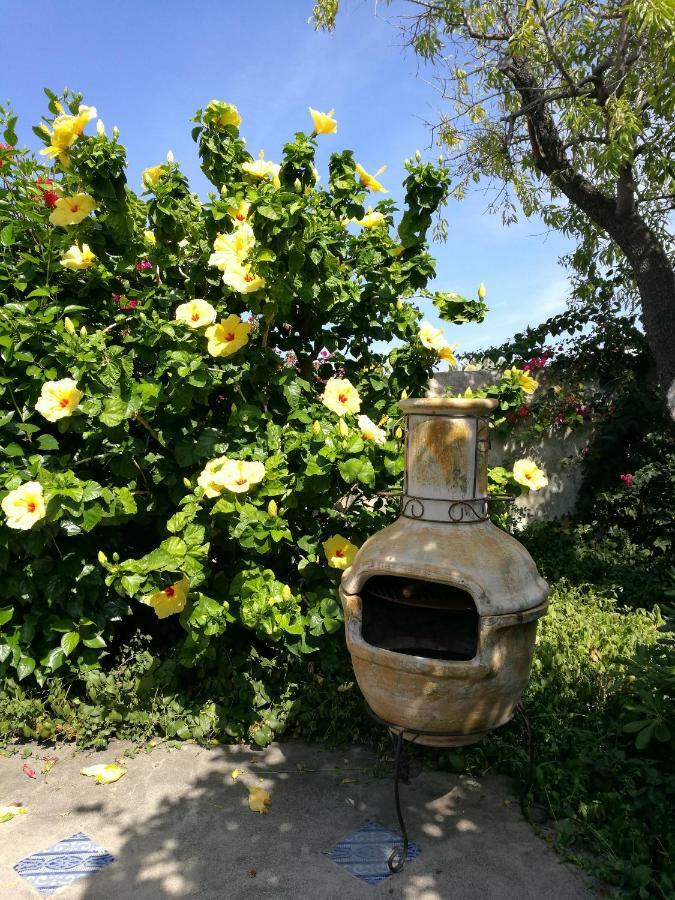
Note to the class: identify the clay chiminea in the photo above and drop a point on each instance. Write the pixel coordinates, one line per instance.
(441, 607)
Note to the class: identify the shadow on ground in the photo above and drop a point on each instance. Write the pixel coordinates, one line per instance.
(180, 826)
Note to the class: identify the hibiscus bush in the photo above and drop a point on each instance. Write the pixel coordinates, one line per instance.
(197, 427)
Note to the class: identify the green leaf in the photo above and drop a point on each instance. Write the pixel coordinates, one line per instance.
(54, 659)
(7, 235)
(6, 613)
(69, 642)
(47, 442)
(13, 450)
(115, 411)
(358, 470)
(25, 666)
(95, 643)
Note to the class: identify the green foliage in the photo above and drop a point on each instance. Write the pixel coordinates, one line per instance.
(599, 672)
(623, 534)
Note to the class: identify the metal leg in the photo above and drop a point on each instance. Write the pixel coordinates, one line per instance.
(527, 784)
(399, 855)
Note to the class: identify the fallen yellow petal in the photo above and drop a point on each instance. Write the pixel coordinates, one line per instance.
(8, 812)
(104, 773)
(235, 773)
(258, 800)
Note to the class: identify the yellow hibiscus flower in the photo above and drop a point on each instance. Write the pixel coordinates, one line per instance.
(227, 336)
(239, 476)
(528, 473)
(372, 219)
(66, 130)
(24, 506)
(171, 600)
(75, 258)
(241, 279)
(430, 337)
(339, 552)
(151, 175)
(240, 211)
(149, 237)
(324, 123)
(234, 475)
(370, 181)
(446, 352)
(196, 313)
(72, 210)
(523, 379)
(434, 339)
(263, 168)
(230, 250)
(58, 399)
(218, 112)
(208, 480)
(341, 397)
(370, 431)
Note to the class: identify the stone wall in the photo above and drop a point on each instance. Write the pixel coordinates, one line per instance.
(552, 452)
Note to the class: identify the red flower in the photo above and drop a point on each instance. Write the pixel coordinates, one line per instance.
(123, 303)
(50, 198)
(142, 265)
(627, 479)
(523, 410)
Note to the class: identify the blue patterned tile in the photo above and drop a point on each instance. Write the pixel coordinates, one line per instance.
(365, 852)
(63, 863)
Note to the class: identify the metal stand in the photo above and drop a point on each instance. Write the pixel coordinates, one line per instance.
(399, 855)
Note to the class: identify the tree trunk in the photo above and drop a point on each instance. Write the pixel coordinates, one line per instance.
(655, 280)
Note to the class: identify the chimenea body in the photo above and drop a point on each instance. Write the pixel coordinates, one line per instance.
(441, 607)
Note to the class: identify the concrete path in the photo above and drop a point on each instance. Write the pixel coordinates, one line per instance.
(180, 826)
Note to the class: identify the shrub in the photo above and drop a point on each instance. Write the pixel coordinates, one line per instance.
(187, 391)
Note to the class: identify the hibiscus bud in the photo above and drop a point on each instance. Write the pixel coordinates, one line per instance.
(418, 155)
(116, 132)
(440, 159)
(186, 482)
(316, 427)
(286, 592)
(83, 331)
(342, 428)
(297, 184)
(233, 408)
(272, 508)
(481, 291)
(102, 558)
(100, 128)
(116, 557)
(68, 325)
(398, 434)
(404, 395)
(169, 156)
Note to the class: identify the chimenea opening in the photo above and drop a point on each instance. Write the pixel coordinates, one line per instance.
(419, 618)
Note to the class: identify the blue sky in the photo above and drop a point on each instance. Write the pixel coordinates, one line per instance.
(148, 65)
